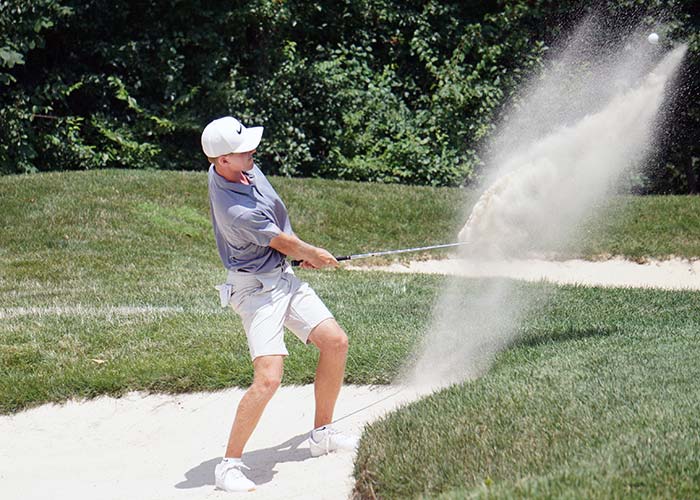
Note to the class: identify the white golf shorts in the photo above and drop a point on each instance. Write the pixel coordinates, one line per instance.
(268, 302)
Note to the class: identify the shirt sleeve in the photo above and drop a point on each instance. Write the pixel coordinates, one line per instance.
(254, 227)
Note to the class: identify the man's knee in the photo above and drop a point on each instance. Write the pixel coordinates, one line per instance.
(340, 342)
(267, 383)
(268, 374)
(330, 337)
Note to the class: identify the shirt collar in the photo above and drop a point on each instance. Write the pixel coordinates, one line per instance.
(235, 186)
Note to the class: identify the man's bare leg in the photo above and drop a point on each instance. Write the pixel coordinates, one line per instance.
(332, 342)
(266, 380)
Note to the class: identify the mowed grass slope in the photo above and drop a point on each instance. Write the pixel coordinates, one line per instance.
(641, 227)
(598, 398)
(107, 280)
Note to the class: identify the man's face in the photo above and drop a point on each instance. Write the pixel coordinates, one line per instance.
(239, 162)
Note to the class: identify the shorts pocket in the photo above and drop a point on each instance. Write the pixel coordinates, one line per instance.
(241, 293)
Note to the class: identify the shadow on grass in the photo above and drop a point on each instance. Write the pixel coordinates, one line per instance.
(549, 337)
(261, 463)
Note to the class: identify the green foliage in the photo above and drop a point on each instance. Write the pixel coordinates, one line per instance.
(22, 31)
(383, 90)
(21, 27)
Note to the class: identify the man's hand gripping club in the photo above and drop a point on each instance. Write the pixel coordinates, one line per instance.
(311, 257)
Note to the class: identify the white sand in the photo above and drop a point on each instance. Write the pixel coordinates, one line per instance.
(165, 447)
(672, 274)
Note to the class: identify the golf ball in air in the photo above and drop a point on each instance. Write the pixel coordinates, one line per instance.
(653, 38)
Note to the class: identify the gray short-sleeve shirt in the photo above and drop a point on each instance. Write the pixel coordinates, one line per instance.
(245, 219)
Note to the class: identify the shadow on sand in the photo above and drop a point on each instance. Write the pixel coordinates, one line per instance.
(261, 463)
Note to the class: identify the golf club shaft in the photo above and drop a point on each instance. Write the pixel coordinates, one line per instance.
(388, 252)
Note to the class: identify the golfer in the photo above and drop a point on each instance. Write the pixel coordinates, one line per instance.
(253, 236)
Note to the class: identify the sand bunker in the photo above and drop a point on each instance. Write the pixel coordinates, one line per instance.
(166, 447)
(673, 274)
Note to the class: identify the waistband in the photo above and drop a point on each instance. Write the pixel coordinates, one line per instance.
(241, 276)
(238, 280)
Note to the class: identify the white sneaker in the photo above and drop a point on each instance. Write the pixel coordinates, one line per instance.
(326, 439)
(229, 477)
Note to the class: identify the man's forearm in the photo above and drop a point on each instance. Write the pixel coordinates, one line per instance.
(293, 247)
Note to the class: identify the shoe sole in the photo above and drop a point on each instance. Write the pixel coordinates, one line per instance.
(234, 491)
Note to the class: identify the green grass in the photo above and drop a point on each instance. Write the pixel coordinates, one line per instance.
(68, 217)
(164, 216)
(597, 398)
(78, 249)
(642, 227)
(47, 356)
(106, 281)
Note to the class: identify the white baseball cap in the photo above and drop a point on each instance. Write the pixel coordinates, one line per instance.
(228, 135)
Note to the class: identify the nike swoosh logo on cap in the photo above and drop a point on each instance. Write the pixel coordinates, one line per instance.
(240, 128)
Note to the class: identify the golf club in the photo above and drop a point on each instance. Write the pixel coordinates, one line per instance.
(387, 252)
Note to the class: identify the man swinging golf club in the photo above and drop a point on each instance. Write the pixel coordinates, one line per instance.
(253, 235)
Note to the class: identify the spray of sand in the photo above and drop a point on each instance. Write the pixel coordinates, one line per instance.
(570, 137)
